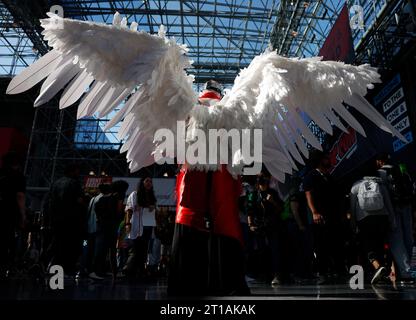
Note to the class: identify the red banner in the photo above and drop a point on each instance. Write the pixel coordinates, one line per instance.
(339, 46)
(343, 148)
(91, 183)
(11, 139)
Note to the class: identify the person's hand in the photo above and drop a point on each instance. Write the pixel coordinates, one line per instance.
(253, 228)
(302, 227)
(317, 218)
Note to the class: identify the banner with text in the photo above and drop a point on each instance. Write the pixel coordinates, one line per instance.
(391, 102)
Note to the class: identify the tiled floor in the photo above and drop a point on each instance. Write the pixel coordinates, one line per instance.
(155, 289)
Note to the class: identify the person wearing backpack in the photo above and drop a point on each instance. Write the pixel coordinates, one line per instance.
(109, 210)
(400, 189)
(373, 215)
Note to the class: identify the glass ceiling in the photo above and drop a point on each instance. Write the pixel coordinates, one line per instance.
(16, 49)
(222, 36)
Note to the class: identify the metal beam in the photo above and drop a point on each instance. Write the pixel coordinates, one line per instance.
(29, 23)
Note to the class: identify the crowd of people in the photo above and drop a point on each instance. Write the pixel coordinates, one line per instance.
(314, 232)
(310, 232)
(108, 234)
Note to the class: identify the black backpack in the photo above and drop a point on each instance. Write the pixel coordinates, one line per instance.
(105, 209)
(400, 185)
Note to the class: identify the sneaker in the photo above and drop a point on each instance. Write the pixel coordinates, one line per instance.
(380, 274)
(276, 281)
(322, 279)
(94, 276)
(407, 281)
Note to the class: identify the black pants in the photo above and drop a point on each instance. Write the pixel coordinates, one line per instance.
(138, 252)
(276, 238)
(329, 247)
(46, 241)
(7, 247)
(89, 261)
(374, 231)
(304, 252)
(105, 244)
(205, 264)
(66, 247)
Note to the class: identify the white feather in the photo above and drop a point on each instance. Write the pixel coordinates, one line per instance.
(85, 102)
(310, 86)
(113, 102)
(134, 25)
(94, 104)
(58, 79)
(123, 22)
(272, 155)
(116, 19)
(335, 120)
(34, 73)
(270, 94)
(348, 117)
(275, 170)
(363, 106)
(295, 135)
(130, 104)
(75, 89)
(125, 128)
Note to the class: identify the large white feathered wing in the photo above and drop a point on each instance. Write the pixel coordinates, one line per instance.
(275, 92)
(109, 64)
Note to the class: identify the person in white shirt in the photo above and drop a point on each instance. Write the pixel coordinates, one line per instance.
(140, 223)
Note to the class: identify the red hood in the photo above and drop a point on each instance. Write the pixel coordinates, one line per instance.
(209, 98)
(206, 94)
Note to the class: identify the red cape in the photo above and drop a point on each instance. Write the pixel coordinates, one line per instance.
(196, 197)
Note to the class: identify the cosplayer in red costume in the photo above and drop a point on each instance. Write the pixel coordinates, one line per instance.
(206, 260)
(207, 256)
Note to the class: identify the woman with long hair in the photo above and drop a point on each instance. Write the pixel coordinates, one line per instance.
(140, 222)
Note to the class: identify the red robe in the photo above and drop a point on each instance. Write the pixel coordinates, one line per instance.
(198, 197)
